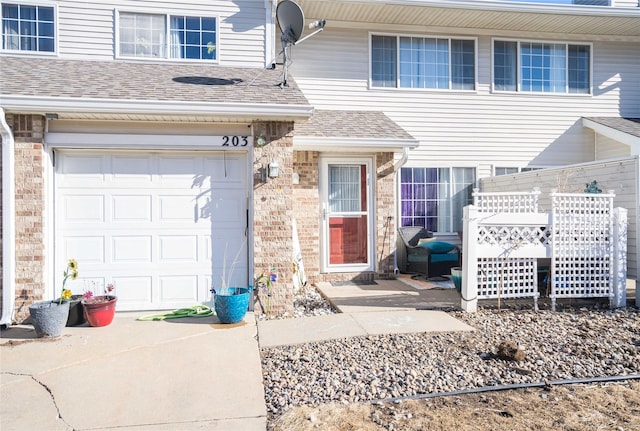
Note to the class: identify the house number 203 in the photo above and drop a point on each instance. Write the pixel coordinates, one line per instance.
(235, 141)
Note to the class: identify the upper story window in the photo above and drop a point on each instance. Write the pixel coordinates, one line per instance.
(422, 62)
(28, 27)
(162, 36)
(512, 170)
(541, 67)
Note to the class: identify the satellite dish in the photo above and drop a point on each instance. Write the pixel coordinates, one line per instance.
(290, 20)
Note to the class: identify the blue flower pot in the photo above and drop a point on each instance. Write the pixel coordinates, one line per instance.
(231, 303)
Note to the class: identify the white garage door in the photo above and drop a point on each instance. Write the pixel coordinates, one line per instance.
(158, 225)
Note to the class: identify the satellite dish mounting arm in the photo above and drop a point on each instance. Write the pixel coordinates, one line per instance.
(291, 23)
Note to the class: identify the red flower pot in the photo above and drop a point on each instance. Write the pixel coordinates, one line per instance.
(99, 310)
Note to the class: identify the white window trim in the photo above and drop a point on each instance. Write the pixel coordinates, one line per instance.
(325, 266)
(518, 71)
(56, 48)
(398, 88)
(167, 19)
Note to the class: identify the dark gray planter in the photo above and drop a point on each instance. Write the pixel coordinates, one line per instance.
(76, 311)
(49, 317)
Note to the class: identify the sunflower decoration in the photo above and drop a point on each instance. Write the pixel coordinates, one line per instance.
(71, 272)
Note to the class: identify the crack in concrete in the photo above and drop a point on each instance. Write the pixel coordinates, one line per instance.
(46, 388)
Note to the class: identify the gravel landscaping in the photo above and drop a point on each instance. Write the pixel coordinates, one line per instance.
(575, 343)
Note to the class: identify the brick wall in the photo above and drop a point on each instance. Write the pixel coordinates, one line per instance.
(28, 132)
(385, 218)
(307, 211)
(273, 211)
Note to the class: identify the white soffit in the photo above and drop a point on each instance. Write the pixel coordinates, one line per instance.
(618, 23)
(338, 144)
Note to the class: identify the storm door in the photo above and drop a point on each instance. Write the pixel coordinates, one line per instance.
(346, 215)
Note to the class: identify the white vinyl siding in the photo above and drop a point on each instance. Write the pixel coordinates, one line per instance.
(87, 29)
(480, 128)
(607, 148)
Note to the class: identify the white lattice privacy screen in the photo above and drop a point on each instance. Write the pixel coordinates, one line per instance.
(505, 276)
(505, 235)
(582, 255)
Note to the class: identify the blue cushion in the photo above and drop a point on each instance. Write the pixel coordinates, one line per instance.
(438, 247)
(444, 257)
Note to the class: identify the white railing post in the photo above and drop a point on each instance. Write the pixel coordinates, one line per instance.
(619, 263)
(469, 291)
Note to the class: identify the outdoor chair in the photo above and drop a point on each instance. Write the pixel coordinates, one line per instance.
(419, 252)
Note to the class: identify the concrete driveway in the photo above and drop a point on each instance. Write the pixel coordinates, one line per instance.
(186, 374)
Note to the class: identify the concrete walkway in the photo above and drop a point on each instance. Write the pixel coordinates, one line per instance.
(386, 307)
(185, 374)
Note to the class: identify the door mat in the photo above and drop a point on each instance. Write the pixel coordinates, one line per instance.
(424, 278)
(354, 283)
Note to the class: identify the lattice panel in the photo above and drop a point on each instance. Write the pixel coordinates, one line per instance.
(510, 202)
(582, 253)
(510, 237)
(507, 278)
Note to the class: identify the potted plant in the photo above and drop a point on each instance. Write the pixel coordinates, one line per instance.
(100, 310)
(76, 311)
(50, 317)
(231, 303)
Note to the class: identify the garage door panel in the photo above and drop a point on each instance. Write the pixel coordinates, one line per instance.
(181, 248)
(131, 249)
(133, 291)
(226, 207)
(228, 171)
(176, 208)
(84, 208)
(85, 249)
(145, 221)
(179, 288)
(179, 168)
(228, 262)
(83, 167)
(132, 167)
(127, 208)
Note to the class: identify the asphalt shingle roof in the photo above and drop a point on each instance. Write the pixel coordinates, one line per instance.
(136, 81)
(626, 125)
(351, 124)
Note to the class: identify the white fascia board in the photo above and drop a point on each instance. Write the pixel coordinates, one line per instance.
(36, 104)
(616, 135)
(115, 140)
(337, 144)
(504, 6)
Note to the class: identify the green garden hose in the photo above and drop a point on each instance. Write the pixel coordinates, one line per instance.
(195, 311)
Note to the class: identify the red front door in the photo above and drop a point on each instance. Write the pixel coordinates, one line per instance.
(347, 214)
